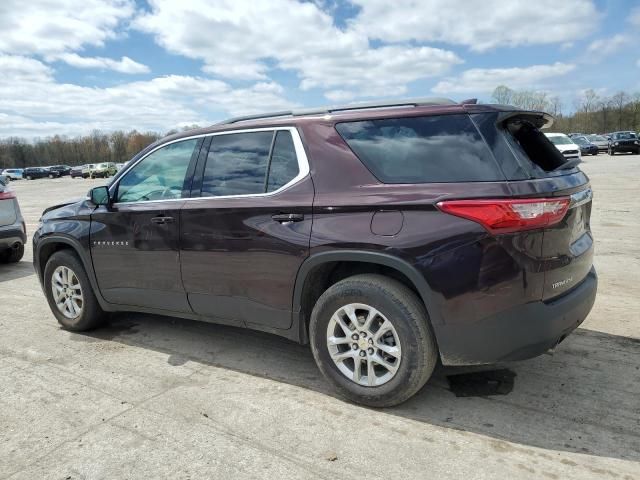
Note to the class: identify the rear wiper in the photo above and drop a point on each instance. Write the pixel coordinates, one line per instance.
(568, 164)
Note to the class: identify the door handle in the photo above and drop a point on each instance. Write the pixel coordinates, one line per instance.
(288, 217)
(162, 220)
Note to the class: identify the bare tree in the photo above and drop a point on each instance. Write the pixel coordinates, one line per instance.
(619, 101)
(502, 95)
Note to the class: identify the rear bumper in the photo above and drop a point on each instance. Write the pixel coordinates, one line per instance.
(519, 333)
(12, 234)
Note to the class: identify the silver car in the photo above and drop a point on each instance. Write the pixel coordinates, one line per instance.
(599, 141)
(12, 229)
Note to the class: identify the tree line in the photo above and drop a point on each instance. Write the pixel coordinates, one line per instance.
(96, 147)
(591, 113)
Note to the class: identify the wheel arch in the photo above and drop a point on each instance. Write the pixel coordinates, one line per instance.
(49, 245)
(318, 268)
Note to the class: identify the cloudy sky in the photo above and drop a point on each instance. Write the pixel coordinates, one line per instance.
(70, 66)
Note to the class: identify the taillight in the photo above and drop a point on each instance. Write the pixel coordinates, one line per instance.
(7, 195)
(505, 216)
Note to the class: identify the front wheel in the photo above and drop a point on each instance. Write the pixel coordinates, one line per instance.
(371, 338)
(70, 294)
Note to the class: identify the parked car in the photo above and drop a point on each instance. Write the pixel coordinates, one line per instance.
(100, 170)
(387, 238)
(624, 142)
(13, 234)
(57, 171)
(76, 172)
(104, 170)
(565, 145)
(13, 173)
(599, 141)
(586, 147)
(32, 173)
(87, 169)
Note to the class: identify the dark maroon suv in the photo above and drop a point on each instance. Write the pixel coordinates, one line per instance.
(387, 236)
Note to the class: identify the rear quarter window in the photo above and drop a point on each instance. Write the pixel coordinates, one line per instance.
(437, 148)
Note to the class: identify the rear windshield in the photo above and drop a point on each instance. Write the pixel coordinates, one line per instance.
(437, 148)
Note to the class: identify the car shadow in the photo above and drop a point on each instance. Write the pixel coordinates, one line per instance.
(14, 271)
(583, 398)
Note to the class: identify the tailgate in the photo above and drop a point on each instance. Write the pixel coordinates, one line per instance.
(567, 247)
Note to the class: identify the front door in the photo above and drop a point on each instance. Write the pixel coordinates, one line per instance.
(135, 242)
(244, 240)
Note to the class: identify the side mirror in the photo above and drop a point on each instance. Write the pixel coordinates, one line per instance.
(100, 196)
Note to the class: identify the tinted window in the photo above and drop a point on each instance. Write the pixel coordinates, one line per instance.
(237, 164)
(160, 176)
(445, 148)
(284, 163)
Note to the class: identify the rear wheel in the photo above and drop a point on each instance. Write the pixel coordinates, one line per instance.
(371, 338)
(13, 254)
(69, 293)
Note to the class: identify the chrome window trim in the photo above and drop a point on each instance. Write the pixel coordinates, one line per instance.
(301, 155)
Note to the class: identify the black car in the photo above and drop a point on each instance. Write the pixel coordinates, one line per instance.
(586, 147)
(12, 229)
(32, 173)
(624, 142)
(386, 238)
(58, 171)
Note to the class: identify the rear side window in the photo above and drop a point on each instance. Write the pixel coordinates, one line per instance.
(439, 148)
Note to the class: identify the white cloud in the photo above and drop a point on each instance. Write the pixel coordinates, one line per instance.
(634, 17)
(20, 68)
(478, 24)
(485, 80)
(124, 65)
(245, 40)
(603, 47)
(32, 103)
(49, 27)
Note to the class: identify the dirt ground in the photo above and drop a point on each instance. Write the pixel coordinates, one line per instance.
(153, 397)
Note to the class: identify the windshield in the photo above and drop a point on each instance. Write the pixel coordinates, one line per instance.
(560, 140)
(624, 136)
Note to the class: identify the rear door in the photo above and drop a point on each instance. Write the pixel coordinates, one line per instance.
(243, 241)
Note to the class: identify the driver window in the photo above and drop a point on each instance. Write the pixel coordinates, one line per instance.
(160, 176)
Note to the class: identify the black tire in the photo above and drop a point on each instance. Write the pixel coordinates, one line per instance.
(409, 317)
(13, 254)
(92, 315)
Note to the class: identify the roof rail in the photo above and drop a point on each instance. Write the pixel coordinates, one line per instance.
(414, 102)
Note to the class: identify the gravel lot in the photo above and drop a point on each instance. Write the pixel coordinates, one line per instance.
(153, 397)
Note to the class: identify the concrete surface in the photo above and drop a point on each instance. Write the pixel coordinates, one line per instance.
(153, 397)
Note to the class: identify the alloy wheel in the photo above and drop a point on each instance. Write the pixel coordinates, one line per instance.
(364, 345)
(67, 292)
